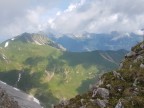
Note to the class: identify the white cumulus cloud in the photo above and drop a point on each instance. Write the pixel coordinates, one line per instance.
(70, 16)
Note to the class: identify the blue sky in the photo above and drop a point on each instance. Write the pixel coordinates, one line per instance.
(70, 16)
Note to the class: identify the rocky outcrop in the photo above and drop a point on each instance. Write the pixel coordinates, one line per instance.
(101, 103)
(102, 92)
(6, 101)
(11, 97)
(119, 105)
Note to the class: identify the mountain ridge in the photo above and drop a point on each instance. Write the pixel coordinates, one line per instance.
(35, 38)
(93, 41)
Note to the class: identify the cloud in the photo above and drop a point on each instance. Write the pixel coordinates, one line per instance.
(18, 16)
(70, 16)
(101, 16)
(29, 22)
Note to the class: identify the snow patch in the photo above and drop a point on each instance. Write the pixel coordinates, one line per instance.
(38, 43)
(34, 99)
(121, 36)
(3, 57)
(16, 89)
(107, 57)
(3, 82)
(19, 77)
(6, 44)
(13, 39)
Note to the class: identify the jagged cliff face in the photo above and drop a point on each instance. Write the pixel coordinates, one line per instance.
(123, 88)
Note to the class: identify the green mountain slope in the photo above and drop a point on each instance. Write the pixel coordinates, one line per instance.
(123, 88)
(40, 67)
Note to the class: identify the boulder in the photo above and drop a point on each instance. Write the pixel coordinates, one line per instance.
(100, 82)
(109, 86)
(130, 54)
(104, 93)
(118, 75)
(101, 103)
(141, 65)
(138, 59)
(119, 105)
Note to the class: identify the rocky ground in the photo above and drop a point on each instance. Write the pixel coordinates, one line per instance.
(6, 101)
(11, 97)
(122, 88)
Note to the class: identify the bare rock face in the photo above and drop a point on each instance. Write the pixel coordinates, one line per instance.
(101, 103)
(104, 93)
(6, 101)
(130, 54)
(11, 97)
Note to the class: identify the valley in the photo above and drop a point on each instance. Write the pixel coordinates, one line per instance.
(43, 68)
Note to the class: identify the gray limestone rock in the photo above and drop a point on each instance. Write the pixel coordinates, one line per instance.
(104, 93)
(130, 54)
(24, 100)
(101, 103)
(142, 65)
(119, 105)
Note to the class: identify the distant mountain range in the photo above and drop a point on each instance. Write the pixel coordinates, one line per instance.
(92, 41)
(41, 67)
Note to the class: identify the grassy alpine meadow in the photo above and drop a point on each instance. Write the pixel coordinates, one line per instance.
(51, 74)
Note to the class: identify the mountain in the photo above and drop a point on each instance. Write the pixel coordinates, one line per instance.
(121, 88)
(35, 38)
(48, 72)
(92, 41)
(11, 97)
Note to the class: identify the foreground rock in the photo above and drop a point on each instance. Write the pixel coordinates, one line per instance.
(11, 97)
(6, 101)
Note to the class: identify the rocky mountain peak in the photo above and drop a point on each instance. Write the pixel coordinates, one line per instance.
(34, 38)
